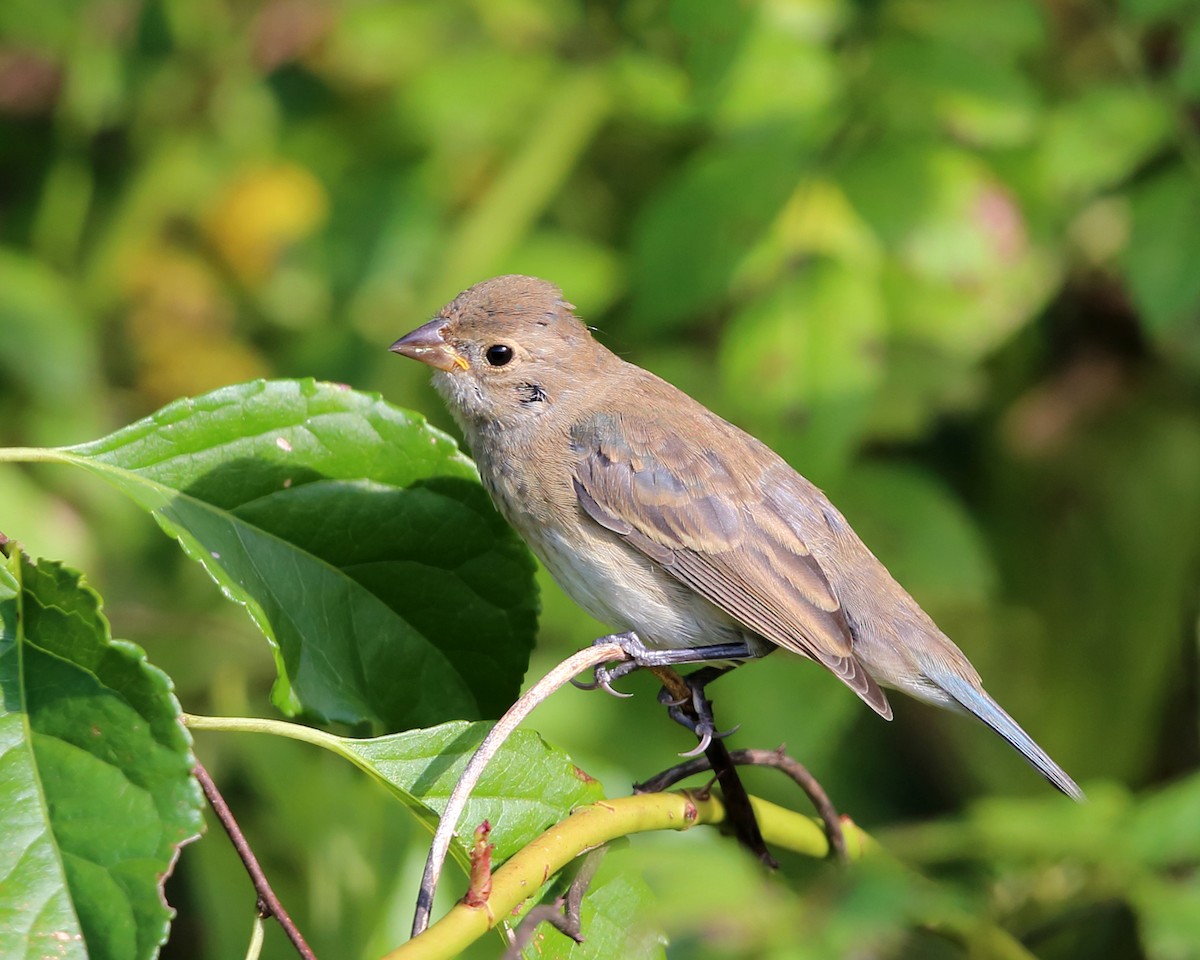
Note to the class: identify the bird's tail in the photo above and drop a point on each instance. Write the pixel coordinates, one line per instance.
(976, 700)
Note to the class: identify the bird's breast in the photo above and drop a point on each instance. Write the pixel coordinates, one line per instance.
(619, 586)
(611, 580)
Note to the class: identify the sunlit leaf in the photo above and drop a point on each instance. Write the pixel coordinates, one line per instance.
(357, 537)
(528, 786)
(95, 776)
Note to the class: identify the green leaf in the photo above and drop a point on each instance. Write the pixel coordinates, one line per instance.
(814, 344)
(694, 232)
(921, 532)
(713, 34)
(528, 787)
(1168, 910)
(818, 336)
(982, 95)
(1098, 140)
(95, 776)
(783, 69)
(612, 918)
(357, 536)
(1161, 259)
(1165, 830)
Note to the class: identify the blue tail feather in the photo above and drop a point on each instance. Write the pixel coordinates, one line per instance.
(977, 702)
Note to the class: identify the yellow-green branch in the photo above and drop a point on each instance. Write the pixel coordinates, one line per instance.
(523, 874)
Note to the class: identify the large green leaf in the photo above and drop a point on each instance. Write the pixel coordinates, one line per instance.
(95, 776)
(527, 788)
(356, 535)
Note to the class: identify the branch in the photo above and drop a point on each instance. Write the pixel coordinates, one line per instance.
(763, 758)
(268, 903)
(558, 677)
(565, 914)
(589, 827)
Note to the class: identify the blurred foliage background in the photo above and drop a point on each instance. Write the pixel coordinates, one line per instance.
(943, 256)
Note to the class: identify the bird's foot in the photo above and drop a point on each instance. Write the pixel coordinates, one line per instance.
(603, 675)
(639, 656)
(695, 712)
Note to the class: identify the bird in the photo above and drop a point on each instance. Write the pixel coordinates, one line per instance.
(663, 519)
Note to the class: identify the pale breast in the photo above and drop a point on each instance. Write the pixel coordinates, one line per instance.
(619, 586)
(614, 582)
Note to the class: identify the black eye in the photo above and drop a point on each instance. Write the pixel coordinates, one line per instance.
(498, 354)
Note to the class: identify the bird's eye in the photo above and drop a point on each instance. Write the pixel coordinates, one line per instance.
(498, 354)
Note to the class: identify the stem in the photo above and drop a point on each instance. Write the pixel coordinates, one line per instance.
(268, 903)
(589, 827)
(763, 758)
(34, 455)
(254, 950)
(279, 728)
(558, 677)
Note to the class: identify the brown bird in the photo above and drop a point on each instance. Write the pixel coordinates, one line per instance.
(659, 517)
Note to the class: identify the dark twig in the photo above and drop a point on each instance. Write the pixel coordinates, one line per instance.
(564, 913)
(268, 903)
(717, 758)
(762, 758)
(737, 801)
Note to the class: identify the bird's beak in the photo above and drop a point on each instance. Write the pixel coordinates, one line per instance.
(426, 344)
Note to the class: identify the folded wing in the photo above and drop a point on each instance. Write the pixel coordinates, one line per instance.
(705, 521)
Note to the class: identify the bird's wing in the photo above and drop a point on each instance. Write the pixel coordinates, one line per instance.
(707, 524)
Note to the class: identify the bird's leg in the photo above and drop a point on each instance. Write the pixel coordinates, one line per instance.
(640, 657)
(694, 711)
(603, 675)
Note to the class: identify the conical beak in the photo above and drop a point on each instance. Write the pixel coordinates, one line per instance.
(426, 344)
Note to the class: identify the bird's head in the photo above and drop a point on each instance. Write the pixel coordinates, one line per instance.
(504, 351)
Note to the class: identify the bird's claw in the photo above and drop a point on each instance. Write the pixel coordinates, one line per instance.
(603, 681)
(695, 713)
(603, 676)
(702, 728)
(705, 740)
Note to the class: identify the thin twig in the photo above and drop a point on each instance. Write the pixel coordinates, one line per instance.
(564, 914)
(268, 903)
(558, 677)
(763, 758)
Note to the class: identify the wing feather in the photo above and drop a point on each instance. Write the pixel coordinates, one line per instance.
(709, 526)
